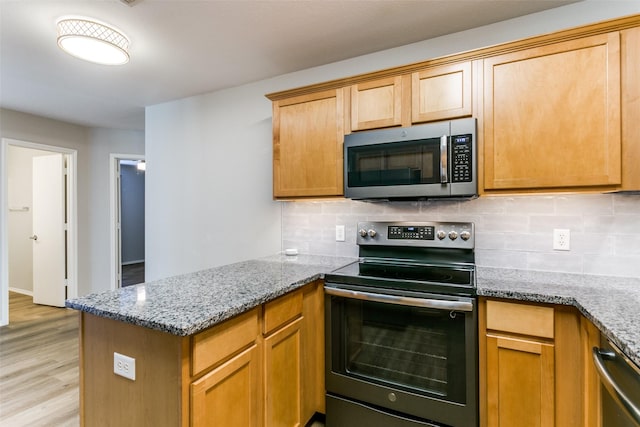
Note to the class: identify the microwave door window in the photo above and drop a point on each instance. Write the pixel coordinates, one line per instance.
(401, 163)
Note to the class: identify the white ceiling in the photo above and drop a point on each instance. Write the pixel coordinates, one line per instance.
(181, 48)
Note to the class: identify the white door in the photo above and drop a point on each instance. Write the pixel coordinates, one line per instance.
(49, 252)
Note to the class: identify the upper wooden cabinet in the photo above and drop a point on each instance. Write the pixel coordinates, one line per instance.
(556, 112)
(307, 145)
(441, 93)
(630, 108)
(435, 93)
(379, 103)
(552, 116)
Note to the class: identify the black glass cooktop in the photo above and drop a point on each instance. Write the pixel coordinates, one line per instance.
(403, 275)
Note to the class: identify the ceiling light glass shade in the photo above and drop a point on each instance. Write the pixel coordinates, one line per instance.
(92, 41)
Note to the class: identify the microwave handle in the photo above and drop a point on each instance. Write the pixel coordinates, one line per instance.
(444, 156)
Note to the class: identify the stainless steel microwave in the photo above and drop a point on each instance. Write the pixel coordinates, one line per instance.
(431, 160)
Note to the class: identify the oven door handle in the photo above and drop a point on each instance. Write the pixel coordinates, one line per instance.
(609, 383)
(398, 300)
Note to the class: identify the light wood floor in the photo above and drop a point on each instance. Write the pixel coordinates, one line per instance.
(39, 365)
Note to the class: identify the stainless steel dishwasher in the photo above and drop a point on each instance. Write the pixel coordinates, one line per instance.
(620, 386)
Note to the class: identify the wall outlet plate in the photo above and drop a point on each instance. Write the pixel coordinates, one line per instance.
(340, 233)
(124, 366)
(561, 239)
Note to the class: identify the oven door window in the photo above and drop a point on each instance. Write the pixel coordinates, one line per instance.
(398, 163)
(413, 349)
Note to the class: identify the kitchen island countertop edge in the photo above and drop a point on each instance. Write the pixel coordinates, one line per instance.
(187, 304)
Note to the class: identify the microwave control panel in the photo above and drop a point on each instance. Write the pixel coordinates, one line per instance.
(461, 156)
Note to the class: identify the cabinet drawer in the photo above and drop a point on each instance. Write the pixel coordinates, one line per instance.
(282, 310)
(524, 319)
(221, 341)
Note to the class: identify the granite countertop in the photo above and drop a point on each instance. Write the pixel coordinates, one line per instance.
(187, 304)
(611, 303)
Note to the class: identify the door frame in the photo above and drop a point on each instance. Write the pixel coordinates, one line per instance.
(115, 232)
(72, 219)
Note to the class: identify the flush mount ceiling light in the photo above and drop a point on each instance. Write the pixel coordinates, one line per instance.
(93, 41)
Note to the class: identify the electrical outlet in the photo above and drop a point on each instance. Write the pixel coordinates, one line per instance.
(561, 239)
(124, 366)
(339, 233)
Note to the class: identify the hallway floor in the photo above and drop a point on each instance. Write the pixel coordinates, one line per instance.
(132, 274)
(39, 365)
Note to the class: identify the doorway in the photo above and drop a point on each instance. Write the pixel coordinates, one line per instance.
(127, 219)
(41, 263)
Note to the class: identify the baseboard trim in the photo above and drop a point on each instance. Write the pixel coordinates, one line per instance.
(20, 291)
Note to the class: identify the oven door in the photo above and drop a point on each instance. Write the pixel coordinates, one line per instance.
(412, 357)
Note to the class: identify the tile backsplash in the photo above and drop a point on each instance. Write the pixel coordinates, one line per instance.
(511, 231)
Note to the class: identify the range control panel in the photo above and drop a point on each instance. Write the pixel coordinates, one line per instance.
(415, 232)
(438, 234)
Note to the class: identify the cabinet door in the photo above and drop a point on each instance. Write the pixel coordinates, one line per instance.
(520, 383)
(552, 116)
(441, 93)
(377, 104)
(230, 395)
(282, 376)
(307, 145)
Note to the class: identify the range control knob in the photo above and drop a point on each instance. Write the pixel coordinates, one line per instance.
(465, 235)
(362, 232)
(453, 235)
(372, 232)
(441, 234)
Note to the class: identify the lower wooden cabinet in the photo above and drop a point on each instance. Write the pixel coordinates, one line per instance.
(531, 369)
(264, 367)
(230, 395)
(520, 382)
(590, 337)
(282, 352)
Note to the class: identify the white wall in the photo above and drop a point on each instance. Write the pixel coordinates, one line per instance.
(209, 176)
(102, 143)
(208, 183)
(93, 147)
(20, 222)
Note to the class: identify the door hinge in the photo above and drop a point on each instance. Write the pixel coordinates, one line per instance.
(66, 292)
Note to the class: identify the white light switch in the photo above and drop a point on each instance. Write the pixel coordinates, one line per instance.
(124, 366)
(339, 233)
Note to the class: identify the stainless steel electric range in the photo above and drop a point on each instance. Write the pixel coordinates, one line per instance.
(401, 328)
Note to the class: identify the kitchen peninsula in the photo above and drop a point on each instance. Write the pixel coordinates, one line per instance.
(251, 336)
